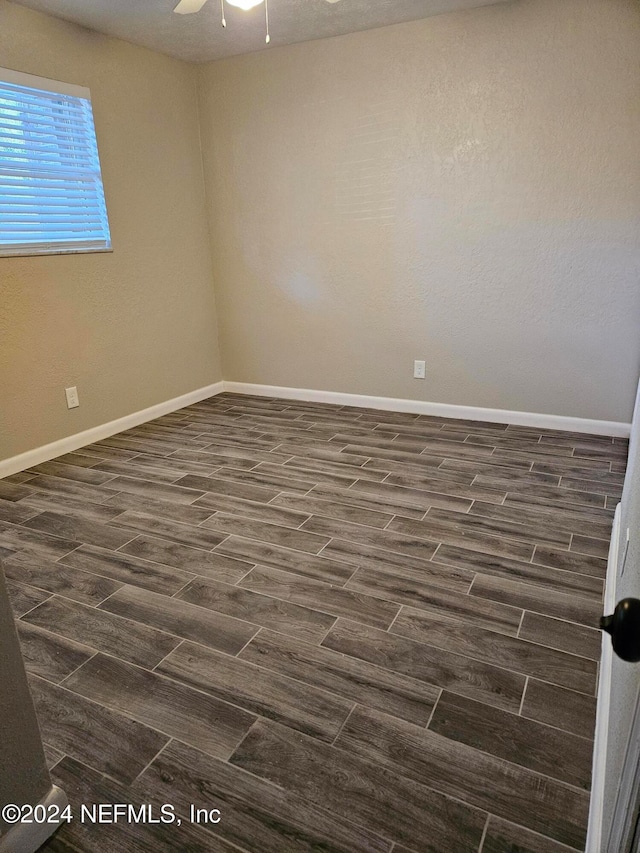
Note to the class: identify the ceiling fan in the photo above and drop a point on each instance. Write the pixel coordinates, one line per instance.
(189, 7)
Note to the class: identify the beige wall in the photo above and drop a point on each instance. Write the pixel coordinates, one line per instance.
(464, 189)
(135, 327)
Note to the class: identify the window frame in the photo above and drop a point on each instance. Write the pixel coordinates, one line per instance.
(40, 247)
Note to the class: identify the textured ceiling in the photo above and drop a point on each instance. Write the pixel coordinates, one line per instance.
(200, 37)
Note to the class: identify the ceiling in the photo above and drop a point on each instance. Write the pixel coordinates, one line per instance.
(200, 37)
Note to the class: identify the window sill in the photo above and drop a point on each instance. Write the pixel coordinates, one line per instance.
(48, 252)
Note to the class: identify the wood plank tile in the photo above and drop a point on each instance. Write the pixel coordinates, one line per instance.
(18, 478)
(461, 674)
(431, 460)
(510, 470)
(519, 531)
(400, 565)
(103, 631)
(181, 618)
(283, 616)
(83, 785)
(538, 517)
(19, 539)
(92, 734)
(49, 655)
(389, 540)
(333, 509)
(589, 545)
(547, 601)
(321, 596)
(582, 451)
(502, 455)
(54, 577)
(381, 800)
(603, 442)
(158, 445)
(71, 488)
(505, 837)
(46, 501)
(309, 565)
(162, 528)
(455, 768)
(15, 512)
(551, 497)
(184, 513)
(268, 475)
(516, 570)
(598, 486)
(14, 491)
(220, 486)
(181, 464)
(195, 718)
(415, 497)
(205, 563)
(499, 649)
(72, 472)
(274, 513)
(129, 570)
(155, 473)
(566, 636)
(104, 451)
(237, 457)
(175, 493)
(258, 817)
(345, 676)
(24, 598)
(567, 710)
(442, 475)
(86, 460)
(376, 503)
(299, 540)
(327, 453)
(305, 465)
(456, 531)
(590, 469)
(264, 692)
(432, 483)
(530, 744)
(526, 444)
(426, 596)
(79, 529)
(583, 564)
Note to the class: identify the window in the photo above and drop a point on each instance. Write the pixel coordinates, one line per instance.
(51, 195)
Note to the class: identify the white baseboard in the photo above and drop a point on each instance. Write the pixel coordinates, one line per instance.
(88, 436)
(595, 842)
(388, 404)
(441, 410)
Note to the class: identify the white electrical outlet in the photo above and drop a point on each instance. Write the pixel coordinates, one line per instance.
(419, 370)
(72, 397)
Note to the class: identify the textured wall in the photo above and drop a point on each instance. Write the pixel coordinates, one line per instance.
(463, 189)
(131, 328)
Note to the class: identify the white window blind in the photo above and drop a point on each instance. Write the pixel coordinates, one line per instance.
(51, 194)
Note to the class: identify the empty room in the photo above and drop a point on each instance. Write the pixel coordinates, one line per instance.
(319, 460)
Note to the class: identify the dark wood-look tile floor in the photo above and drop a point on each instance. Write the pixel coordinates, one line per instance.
(352, 631)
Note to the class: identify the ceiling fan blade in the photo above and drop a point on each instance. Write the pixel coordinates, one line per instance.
(188, 7)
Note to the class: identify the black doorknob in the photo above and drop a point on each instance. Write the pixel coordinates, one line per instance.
(624, 627)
